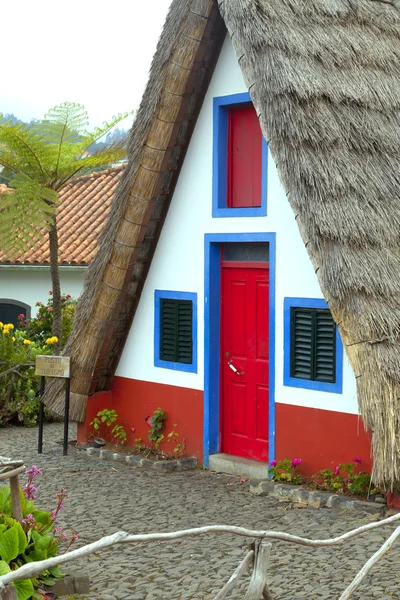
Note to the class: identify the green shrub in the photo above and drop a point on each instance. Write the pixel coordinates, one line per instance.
(35, 538)
(19, 387)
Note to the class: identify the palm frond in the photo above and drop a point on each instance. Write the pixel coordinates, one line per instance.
(23, 145)
(24, 212)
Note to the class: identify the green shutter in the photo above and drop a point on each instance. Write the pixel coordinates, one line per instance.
(176, 343)
(325, 347)
(312, 345)
(301, 344)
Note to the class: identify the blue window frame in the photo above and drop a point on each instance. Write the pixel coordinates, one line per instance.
(310, 384)
(220, 158)
(159, 296)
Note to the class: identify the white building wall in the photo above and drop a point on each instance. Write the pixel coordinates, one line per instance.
(31, 285)
(176, 268)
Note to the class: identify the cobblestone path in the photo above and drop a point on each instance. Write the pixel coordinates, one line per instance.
(107, 497)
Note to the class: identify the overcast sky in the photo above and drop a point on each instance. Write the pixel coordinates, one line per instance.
(97, 53)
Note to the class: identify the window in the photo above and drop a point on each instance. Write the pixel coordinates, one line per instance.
(175, 331)
(313, 349)
(239, 159)
(10, 309)
(312, 344)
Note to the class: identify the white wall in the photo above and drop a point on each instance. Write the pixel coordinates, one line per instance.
(176, 268)
(30, 285)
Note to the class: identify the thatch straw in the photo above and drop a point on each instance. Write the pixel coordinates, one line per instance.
(179, 76)
(324, 79)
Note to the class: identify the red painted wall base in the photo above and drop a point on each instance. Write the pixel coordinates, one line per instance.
(135, 400)
(321, 438)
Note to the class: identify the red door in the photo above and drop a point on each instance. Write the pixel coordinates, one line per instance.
(245, 359)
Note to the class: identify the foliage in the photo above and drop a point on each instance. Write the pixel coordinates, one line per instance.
(156, 424)
(19, 387)
(108, 417)
(35, 538)
(285, 470)
(180, 446)
(43, 157)
(39, 329)
(346, 479)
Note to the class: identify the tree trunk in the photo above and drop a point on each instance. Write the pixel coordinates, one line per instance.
(55, 282)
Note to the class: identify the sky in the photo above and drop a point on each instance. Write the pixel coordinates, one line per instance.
(97, 53)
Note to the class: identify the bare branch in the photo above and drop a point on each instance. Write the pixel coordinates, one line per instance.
(369, 564)
(33, 569)
(230, 584)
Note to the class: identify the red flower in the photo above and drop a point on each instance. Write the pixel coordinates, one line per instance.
(149, 421)
(21, 316)
(50, 292)
(357, 460)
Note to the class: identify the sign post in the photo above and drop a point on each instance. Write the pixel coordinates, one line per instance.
(53, 366)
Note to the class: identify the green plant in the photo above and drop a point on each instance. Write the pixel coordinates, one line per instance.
(43, 157)
(285, 470)
(180, 447)
(39, 329)
(156, 423)
(346, 478)
(108, 417)
(35, 538)
(19, 387)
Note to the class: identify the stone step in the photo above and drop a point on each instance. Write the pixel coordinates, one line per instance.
(236, 465)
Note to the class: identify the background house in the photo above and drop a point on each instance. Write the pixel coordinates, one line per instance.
(25, 280)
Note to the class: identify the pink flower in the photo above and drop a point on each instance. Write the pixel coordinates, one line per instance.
(149, 421)
(296, 461)
(68, 296)
(357, 460)
(29, 520)
(274, 463)
(50, 292)
(337, 471)
(49, 309)
(38, 304)
(29, 491)
(21, 316)
(132, 428)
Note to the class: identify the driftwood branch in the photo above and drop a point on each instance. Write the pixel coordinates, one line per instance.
(33, 569)
(258, 587)
(369, 564)
(230, 584)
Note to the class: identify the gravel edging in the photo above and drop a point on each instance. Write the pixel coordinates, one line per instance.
(163, 466)
(311, 498)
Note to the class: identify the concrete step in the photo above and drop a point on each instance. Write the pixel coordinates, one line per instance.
(236, 465)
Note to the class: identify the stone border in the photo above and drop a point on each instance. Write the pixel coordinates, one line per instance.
(311, 498)
(163, 466)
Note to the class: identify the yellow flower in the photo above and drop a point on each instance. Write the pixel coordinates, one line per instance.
(9, 326)
(6, 332)
(1, 325)
(27, 342)
(52, 340)
(13, 338)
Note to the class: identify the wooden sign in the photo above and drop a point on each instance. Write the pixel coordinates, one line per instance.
(52, 366)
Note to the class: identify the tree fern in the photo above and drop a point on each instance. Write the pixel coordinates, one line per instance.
(43, 157)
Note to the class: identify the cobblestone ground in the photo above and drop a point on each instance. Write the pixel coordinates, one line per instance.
(106, 497)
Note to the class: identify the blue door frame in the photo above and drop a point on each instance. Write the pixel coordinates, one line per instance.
(212, 296)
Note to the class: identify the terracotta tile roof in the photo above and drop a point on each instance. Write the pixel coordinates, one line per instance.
(84, 206)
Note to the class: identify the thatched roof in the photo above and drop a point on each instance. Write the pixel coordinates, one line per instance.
(324, 78)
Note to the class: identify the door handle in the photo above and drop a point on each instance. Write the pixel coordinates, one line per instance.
(234, 369)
